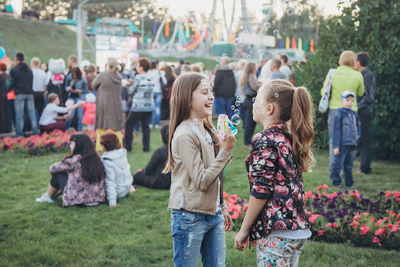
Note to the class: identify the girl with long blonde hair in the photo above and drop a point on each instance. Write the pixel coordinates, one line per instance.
(276, 218)
(196, 160)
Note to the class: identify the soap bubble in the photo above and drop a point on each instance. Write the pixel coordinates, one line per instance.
(224, 55)
(235, 119)
(236, 112)
(237, 103)
(275, 33)
(248, 57)
(267, 17)
(240, 99)
(236, 41)
(290, 12)
(233, 107)
(267, 25)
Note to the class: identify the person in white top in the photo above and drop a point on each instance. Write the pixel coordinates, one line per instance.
(266, 72)
(285, 69)
(158, 76)
(50, 120)
(39, 85)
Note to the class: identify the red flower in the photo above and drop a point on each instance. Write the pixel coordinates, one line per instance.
(308, 194)
(387, 194)
(372, 219)
(395, 228)
(325, 186)
(319, 188)
(380, 231)
(334, 225)
(355, 225)
(376, 240)
(320, 233)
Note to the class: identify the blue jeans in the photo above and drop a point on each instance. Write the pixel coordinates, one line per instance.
(155, 120)
(223, 106)
(196, 233)
(19, 105)
(80, 113)
(344, 160)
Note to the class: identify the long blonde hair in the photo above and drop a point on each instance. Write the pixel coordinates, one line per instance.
(181, 98)
(294, 105)
(248, 70)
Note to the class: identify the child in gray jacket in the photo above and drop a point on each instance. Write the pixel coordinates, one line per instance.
(118, 171)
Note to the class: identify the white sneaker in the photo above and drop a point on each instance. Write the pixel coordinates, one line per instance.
(45, 198)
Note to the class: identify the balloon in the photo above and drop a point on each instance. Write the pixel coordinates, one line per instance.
(2, 52)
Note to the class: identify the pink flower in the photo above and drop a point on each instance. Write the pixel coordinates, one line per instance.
(395, 228)
(325, 186)
(372, 219)
(356, 217)
(364, 229)
(226, 195)
(320, 233)
(313, 217)
(319, 188)
(379, 223)
(233, 198)
(380, 231)
(334, 225)
(355, 225)
(387, 194)
(376, 240)
(308, 194)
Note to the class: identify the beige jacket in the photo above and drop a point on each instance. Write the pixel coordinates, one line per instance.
(194, 184)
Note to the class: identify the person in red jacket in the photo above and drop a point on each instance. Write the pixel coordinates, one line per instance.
(90, 112)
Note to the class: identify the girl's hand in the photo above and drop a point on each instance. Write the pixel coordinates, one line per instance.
(227, 220)
(241, 240)
(336, 151)
(229, 141)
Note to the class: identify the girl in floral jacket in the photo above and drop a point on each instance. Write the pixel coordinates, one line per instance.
(80, 177)
(276, 219)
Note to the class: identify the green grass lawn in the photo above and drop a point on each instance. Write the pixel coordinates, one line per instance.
(137, 232)
(40, 39)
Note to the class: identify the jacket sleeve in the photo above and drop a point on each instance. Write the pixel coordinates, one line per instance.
(111, 186)
(358, 127)
(67, 81)
(96, 82)
(254, 84)
(10, 82)
(132, 89)
(263, 170)
(189, 151)
(62, 166)
(217, 80)
(337, 130)
(369, 92)
(153, 163)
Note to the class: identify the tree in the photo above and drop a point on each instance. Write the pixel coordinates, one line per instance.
(370, 26)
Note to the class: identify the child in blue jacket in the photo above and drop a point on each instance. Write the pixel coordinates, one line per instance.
(346, 131)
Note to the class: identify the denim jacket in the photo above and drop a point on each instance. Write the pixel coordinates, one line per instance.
(346, 128)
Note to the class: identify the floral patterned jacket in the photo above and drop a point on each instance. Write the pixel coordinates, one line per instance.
(78, 191)
(273, 176)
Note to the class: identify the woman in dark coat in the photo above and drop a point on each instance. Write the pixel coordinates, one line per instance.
(108, 101)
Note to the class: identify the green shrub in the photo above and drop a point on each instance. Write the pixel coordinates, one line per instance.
(371, 26)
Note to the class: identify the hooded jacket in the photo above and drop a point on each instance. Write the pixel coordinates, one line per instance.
(21, 79)
(118, 174)
(224, 83)
(108, 101)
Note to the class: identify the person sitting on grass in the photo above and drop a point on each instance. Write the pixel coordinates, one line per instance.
(152, 175)
(50, 120)
(118, 171)
(79, 176)
(346, 131)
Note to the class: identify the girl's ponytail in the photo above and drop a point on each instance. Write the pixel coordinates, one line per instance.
(302, 130)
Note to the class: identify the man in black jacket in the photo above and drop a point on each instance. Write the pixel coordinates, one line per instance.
(224, 89)
(365, 113)
(20, 80)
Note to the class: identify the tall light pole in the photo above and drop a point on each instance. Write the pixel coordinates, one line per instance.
(143, 15)
(79, 31)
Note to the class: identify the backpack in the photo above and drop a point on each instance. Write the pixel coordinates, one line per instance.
(324, 102)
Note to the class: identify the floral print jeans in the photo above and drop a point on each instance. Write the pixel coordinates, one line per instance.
(278, 251)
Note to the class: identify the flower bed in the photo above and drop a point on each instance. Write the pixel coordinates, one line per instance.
(41, 144)
(344, 217)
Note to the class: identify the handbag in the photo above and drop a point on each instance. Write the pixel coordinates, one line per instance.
(324, 102)
(248, 91)
(162, 85)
